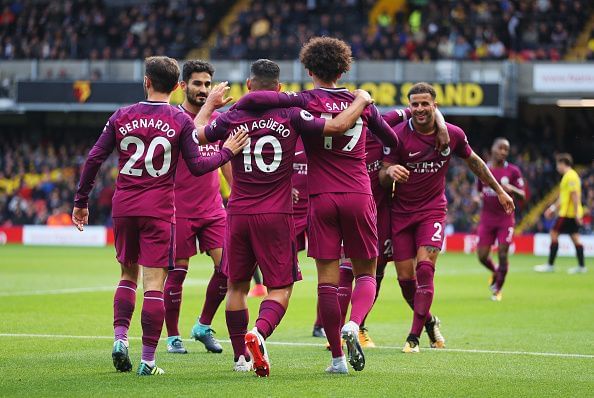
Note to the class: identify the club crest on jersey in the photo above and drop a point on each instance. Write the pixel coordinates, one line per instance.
(446, 152)
(387, 150)
(305, 115)
(504, 180)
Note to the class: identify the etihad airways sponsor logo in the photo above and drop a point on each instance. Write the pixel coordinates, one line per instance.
(426, 167)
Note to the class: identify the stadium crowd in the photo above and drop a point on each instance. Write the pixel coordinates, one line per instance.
(429, 30)
(97, 29)
(38, 181)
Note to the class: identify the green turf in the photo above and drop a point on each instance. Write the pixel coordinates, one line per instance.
(550, 313)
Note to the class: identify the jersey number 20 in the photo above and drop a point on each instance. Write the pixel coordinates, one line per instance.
(128, 168)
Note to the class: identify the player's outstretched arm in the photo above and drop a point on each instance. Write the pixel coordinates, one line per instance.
(390, 173)
(215, 100)
(396, 116)
(480, 169)
(347, 118)
(262, 100)
(199, 164)
(442, 141)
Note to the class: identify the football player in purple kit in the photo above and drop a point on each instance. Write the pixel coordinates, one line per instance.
(199, 215)
(495, 223)
(374, 153)
(419, 205)
(260, 227)
(149, 137)
(341, 205)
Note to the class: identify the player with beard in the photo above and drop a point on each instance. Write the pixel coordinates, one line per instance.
(149, 137)
(200, 215)
(419, 205)
(495, 223)
(341, 206)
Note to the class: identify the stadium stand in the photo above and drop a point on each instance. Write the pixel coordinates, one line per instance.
(429, 30)
(38, 180)
(105, 30)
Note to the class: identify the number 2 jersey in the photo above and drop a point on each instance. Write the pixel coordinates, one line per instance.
(148, 137)
(262, 172)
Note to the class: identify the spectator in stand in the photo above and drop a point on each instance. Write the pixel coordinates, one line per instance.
(465, 29)
(51, 29)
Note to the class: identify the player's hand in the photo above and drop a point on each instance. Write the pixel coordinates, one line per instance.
(237, 142)
(80, 217)
(365, 95)
(295, 195)
(507, 202)
(442, 140)
(216, 99)
(398, 173)
(579, 220)
(549, 212)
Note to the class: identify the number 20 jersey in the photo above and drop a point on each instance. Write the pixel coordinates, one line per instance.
(262, 172)
(148, 136)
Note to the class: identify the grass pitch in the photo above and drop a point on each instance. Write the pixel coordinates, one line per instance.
(56, 315)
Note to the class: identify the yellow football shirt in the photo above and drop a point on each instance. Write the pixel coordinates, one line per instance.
(570, 183)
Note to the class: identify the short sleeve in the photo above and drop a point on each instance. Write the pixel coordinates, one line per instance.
(518, 180)
(462, 148)
(305, 123)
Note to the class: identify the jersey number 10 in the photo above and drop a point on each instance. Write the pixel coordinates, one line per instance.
(258, 148)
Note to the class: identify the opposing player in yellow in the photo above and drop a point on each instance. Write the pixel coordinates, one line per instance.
(570, 213)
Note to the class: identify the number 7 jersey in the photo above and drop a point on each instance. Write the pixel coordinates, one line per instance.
(262, 172)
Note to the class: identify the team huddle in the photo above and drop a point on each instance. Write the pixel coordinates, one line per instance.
(322, 166)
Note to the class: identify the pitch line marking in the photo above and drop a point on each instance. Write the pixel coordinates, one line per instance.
(92, 289)
(293, 344)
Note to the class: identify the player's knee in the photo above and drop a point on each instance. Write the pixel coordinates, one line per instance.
(483, 257)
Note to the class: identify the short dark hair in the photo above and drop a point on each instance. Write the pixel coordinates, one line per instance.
(265, 73)
(196, 66)
(326, 57)
(498, 140)
(564, 158)
(163, 73)
(422, 88)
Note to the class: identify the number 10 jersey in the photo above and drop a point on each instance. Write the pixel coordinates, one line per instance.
(262, 172)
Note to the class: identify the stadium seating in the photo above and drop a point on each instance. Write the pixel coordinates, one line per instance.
(105, 30)
(428, 30)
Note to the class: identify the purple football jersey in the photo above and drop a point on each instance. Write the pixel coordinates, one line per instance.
(148, 137)
(299, 179)
(375, 152)
(262, 173)
(335, 164)
(197, 197)
(425, 188)
(493, 212)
